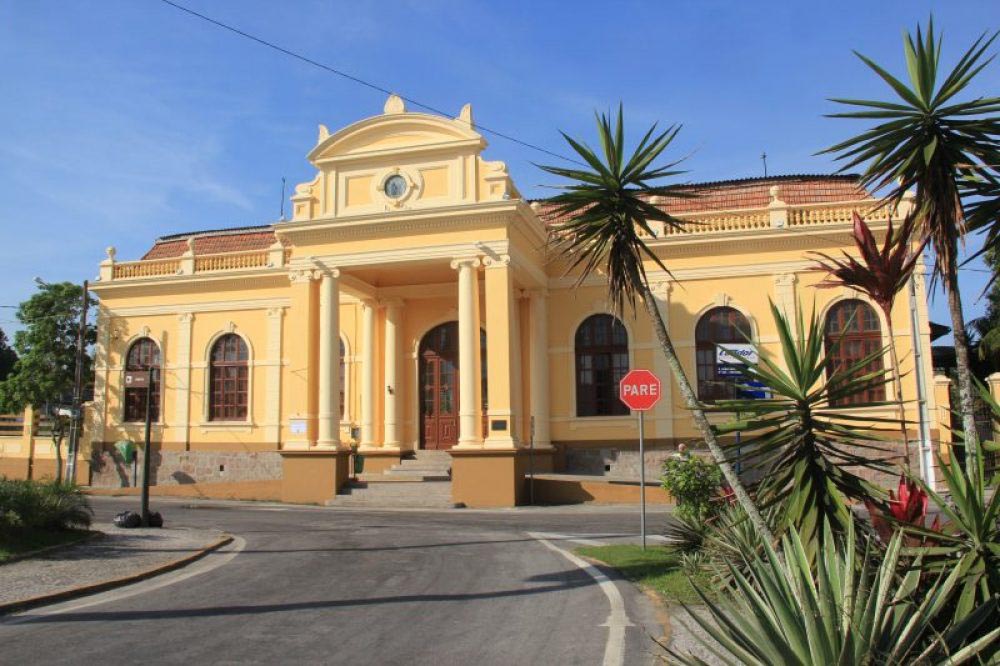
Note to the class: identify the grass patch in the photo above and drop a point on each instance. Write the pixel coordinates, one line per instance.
(657, 568)
(19, 541)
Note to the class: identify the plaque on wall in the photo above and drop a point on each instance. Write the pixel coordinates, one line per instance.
(297, 426)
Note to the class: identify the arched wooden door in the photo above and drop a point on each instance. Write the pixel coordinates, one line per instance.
(439, 387)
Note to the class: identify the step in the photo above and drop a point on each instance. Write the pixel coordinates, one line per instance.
(405, 476)
(395, 494)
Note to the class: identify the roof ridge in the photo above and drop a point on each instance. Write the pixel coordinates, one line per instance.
(215, 232)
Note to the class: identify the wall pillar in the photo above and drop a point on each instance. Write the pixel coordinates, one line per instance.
(329, 357)
(539, 367)
(468, 348)
(368, 374)
(942, 400)
(300, 394)
(272, 392)
(501, 353)
(393, 385)
(663, 412)
(784, 298)
(182, 404)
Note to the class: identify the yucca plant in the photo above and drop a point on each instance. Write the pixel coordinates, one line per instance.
(881, 273)
(849, 608)
(968, 540)
(927, 139)
(805, 439)
(599, 216)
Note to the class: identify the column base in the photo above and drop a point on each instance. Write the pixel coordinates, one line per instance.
(488, 478)
(313, 477)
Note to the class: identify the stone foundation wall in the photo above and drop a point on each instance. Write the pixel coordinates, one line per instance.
(615, 463)
(186, 467)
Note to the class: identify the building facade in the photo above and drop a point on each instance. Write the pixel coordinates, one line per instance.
(410, 304)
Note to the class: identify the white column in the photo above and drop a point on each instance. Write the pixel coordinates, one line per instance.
(663, 413)
(329, 359)
(393, 339)
(368, 374)
(468, 335)
(539, 367)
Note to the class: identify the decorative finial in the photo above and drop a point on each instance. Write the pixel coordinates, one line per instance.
(324, 133)
(775, 192)
(111, 252)
(394, 105)
(465, 115)
(190, 244)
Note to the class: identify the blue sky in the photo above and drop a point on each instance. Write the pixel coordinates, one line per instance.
(125, 119)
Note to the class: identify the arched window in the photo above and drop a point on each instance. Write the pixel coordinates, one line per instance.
(343, 378)
(229, 378)
(852, 333)
(143, 355)
(718, 326)
(601, 362)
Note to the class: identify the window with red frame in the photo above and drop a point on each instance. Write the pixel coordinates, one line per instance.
(229, 379)
(852, 333)
(143, 355)
(601, 362)
(720, 325)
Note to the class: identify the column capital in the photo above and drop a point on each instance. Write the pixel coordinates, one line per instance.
(662, 288)
(498, 261)
(302, 275)
(185, 317)
(275, 313)
(538, 292)
(458, 262)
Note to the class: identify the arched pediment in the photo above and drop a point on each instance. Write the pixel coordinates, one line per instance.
(394, 132)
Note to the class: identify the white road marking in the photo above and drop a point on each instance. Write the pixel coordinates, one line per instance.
(618, 620)
(212, 561)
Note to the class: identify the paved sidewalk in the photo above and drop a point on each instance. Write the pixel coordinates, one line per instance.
(116, 554)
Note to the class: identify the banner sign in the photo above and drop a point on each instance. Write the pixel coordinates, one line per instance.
(137, 379)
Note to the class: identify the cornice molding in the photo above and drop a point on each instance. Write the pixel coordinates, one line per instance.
(195, 308)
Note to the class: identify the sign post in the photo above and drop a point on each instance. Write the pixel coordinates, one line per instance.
(144, 379)
(640, 390)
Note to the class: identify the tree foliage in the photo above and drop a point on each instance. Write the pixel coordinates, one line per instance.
(8, 357)
(46, 348)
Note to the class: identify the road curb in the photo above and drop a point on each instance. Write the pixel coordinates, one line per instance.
(103, 586)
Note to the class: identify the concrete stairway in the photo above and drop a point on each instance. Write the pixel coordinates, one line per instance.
(422, 480)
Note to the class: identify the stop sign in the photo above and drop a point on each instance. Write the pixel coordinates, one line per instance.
(639, 390)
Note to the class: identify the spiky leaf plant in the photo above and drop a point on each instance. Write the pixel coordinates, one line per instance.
(926, 138)
(805, 439)
(849, 608)
(600, 222)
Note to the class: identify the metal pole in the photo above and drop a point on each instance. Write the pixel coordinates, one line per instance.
(926, 453)
(531, 464)
(642, 478)
(77, 415)
(147, 454)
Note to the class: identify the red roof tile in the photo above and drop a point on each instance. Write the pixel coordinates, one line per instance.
(754, 193)
(212, 243)
(715, 196)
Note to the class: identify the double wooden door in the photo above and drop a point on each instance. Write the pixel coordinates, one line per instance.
(439, 387)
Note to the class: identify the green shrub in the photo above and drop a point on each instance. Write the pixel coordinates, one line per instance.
(693, 483)
(46, 506)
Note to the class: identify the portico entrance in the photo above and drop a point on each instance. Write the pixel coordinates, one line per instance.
(439, 386)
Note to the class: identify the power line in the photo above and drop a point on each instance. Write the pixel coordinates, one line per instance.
(357, 79)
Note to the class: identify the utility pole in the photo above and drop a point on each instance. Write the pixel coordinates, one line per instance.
(147, 454)
(763, 158)
(76, 424)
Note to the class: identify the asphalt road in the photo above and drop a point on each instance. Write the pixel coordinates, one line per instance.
(358, 586)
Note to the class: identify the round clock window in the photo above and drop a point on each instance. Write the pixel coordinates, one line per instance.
(395, 186)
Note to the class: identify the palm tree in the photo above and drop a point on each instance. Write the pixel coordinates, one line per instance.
(881, 273)
(927, 140)
(602, 213)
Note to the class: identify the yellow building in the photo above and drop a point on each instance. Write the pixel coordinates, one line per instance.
(409, 306)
